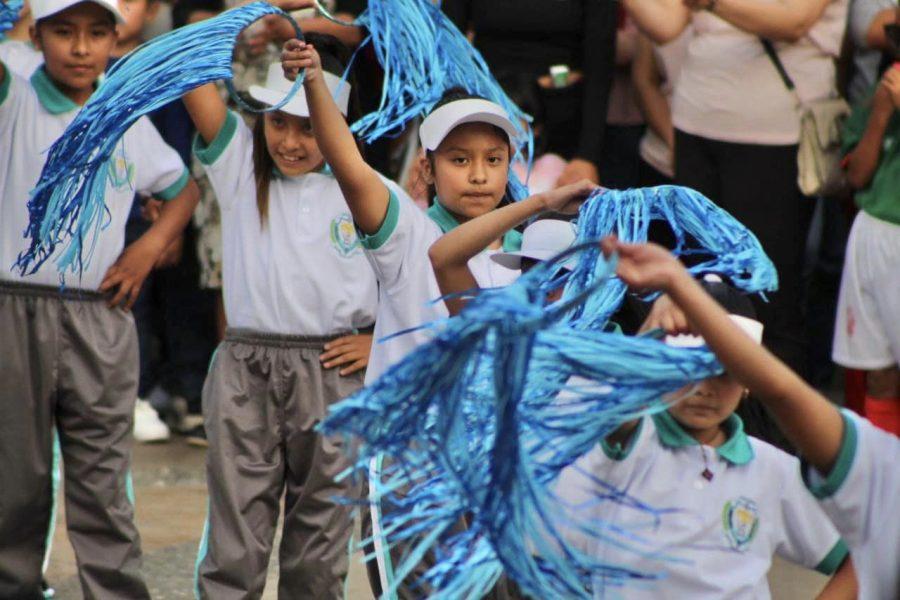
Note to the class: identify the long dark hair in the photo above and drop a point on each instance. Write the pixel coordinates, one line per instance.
(335, 57)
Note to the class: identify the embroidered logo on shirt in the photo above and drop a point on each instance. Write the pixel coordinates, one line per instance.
(343, 235)
(121, 171)
(740, 518)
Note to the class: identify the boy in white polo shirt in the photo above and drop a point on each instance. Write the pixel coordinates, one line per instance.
(70, 360)
(730, 501)
(852, 465)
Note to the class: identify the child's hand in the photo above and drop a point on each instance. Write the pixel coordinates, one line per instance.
(296, 56)
(568, 199)
(130, 271)
(644, 266)
(350, 349)
(666, 315)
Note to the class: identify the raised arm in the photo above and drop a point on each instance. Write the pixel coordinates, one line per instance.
(783, 20)
(809, 421)
(862, 162)
(207, 111)
(661, 20)
(366, 194)
(451, 253)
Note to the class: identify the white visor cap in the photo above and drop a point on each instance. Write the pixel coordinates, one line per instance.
(277, 87)
(41, 9)
(443, 120)
(542, 240)
(751, 327)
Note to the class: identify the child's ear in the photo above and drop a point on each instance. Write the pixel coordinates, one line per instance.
(426, 170)
(35, 36)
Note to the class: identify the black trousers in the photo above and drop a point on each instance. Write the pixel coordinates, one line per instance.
(757, 184)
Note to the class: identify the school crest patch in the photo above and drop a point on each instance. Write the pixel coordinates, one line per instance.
(121, 171)
(740, 519)
(343, 235)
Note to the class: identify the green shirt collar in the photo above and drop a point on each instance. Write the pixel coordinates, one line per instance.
(51, 98)
(512, 239)
(736, 449)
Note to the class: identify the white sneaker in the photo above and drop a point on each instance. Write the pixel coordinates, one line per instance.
(148, 427)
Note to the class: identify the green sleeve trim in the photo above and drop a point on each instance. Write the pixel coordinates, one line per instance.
(842, 465)
(210, 154)
(834, 559)
(384, 233)
(176, 188)
(4, 85)
(620, 451)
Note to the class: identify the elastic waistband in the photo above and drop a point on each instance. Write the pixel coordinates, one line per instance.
(15, 288)
(264, 338)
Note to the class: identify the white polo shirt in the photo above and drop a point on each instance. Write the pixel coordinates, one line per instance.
(862, 497)
(22, 58)
(303, 272)
(408, 289)
(720, 533)
(33, 115)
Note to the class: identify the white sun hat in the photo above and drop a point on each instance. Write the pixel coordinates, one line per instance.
(277, 87)
(542, 240)
(443, 120)
(41, 9)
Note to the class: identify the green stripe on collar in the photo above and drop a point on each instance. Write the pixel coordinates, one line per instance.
(4, 85)
(50, 97)
(618, 450)
(444, 219)
(736, 449)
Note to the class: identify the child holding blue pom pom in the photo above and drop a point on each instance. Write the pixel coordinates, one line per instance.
(469, 145)
(297, 289)
(850, 465)
(71, 356)
(735, 500)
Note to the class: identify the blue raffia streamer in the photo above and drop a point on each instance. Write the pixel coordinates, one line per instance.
(9, 14)
(68, 202)
(423, 54)
(479, 422)
(702, 229)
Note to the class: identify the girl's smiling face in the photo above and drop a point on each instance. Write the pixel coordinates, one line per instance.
(470, 169)
(291, 144)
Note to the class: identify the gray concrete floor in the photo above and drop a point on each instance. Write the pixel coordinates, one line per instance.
(170, 494)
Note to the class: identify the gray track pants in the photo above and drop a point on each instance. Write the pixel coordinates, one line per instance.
(66, 358)
(263, 396)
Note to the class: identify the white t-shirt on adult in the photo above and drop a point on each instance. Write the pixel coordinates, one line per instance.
(861, 495)
(22, 58)
(33, 114)
(398, 252)
(730, 91)
(301, 273)
(724, 530)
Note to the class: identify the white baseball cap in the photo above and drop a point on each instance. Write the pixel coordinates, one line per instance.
(751, 327)
(277, 87)
(542, 240)
(443, 120)
(41, 9)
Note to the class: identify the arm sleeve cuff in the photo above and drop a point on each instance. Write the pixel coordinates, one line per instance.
(827, 487)
(833, 559)
(209, 154)
(384, 233)
(5, 83)
(176, 188)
